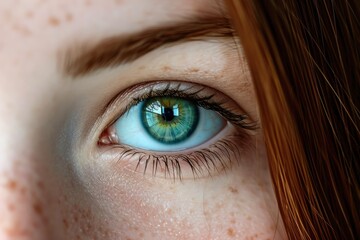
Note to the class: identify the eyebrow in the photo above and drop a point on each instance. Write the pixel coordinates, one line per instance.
(121, 49)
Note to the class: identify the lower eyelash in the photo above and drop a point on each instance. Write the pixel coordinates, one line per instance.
(205, 162)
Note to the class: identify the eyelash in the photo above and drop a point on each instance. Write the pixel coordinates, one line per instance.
(201, 162)
(200, 101)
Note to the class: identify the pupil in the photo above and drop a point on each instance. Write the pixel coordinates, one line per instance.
(168, 114)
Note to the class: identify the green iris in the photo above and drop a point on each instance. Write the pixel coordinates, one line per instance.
(169, 119)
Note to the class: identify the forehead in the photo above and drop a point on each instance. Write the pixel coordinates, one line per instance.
(32, 16)
(39, 28)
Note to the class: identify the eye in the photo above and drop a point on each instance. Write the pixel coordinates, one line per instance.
(167, 124)
(179, 129)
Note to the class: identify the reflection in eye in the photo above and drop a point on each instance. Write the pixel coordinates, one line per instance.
(167, 124)
(180, 129)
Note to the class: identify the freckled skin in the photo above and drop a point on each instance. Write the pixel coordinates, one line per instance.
(53, 21)
(54, 183)
(29, 198)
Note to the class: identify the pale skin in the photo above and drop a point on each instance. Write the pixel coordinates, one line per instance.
(55, 180)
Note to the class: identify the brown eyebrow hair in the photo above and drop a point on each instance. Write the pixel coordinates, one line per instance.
(122, 49)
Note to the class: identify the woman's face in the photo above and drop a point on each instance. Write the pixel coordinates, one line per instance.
(128, 120)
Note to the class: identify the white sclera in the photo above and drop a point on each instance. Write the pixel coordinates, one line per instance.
(131, 132)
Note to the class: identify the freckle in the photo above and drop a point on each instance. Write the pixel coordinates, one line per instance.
(12, 185)
(8, 15)
(76, 219)
(29, 14)
(261, 184)
(118, 1)
(249, 218)
(194, 70)
(88, 3)
(233, 190)
(38, 208)
(166, 68)
(11, 207)
(35, 225)
(273, 228)
(219, 205)
(53, 21)
(40, 184)
(233, 221)
(66, 224)
(62, 199)
(231, 232)
(23, 190)
(69, 17)
(16, 232)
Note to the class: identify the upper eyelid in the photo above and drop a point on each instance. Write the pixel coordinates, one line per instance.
(202, 101)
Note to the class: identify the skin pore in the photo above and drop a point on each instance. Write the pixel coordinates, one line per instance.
(57, 182)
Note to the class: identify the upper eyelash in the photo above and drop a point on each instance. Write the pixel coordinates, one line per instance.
(201, 101)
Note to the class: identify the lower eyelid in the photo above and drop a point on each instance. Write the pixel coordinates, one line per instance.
(202, 163)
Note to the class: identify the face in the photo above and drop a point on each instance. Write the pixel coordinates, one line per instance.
(129, 120)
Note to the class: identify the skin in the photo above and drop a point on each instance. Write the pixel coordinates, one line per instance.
(55, 181)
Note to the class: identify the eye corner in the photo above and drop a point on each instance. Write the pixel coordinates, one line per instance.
(108, 137)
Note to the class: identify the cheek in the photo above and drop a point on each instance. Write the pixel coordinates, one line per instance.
(240, 212)
(234, 205)
(82, 221)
